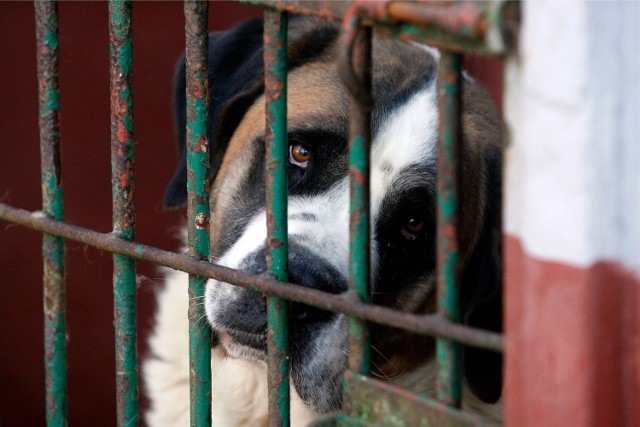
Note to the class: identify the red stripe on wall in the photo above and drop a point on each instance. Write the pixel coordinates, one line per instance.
(573, 342)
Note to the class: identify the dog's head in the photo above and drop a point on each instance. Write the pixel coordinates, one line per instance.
(403, 179)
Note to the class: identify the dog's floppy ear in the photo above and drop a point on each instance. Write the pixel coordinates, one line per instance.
(481, 278)
(235, 67)
(482, 290)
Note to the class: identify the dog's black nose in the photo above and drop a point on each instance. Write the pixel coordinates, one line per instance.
(306, 269)
(312, 271)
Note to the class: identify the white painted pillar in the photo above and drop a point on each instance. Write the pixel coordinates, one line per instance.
(572, 216)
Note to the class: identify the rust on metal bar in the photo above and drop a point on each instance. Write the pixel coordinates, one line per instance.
(448, 352)
(435, 325)
(466, 19)
(122, 164)
(197, 146)
(379, 402)
(276, 144)
(359, 174)
(55, 348)
(487, 27)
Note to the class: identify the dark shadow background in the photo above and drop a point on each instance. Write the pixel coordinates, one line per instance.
(158, 37)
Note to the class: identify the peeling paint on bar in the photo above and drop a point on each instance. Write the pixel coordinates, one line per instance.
(355, 70)
(449, 95)
(122, 166)
(484, 27)
(359, 172)
(435, 325)
(275, 65)
(55, 348)
(197, 93)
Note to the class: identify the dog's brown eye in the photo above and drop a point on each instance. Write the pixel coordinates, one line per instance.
(299, 155)
(412, 228)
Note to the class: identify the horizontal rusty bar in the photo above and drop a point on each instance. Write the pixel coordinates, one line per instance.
(434, 325)
(486, 27)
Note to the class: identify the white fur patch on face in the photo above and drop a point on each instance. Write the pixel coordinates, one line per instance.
(408, 137)
(319, 223)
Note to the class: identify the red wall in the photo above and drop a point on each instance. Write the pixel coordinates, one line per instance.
(84, 85)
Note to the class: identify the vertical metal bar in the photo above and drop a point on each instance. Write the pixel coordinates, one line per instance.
(449, 153)
(122, 165)
(359, 172)
(275, 65)
(52, 247)
(197, 79)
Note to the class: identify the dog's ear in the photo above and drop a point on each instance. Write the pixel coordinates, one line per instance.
(235, 70)
(482, 290)
(481, 278)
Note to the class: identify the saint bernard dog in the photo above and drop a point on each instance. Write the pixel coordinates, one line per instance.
(403, 217)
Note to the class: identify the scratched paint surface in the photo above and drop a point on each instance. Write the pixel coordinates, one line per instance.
(359, 223)
(275, 59)
(122, 186)
(55, 348)
(447, 351)
(197, 102)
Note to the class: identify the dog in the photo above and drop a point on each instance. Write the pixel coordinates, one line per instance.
(403, 193)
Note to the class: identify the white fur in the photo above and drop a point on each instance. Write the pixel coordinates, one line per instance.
(408, 137)
(239, 388)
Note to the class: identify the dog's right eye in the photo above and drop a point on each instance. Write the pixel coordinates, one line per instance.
(299, 155)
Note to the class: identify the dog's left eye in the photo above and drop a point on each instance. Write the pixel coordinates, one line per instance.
(299, 155)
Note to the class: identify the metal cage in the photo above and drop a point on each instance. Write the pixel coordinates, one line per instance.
(481, 27)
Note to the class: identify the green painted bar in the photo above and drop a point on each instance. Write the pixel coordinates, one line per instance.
(275, 65)
(197, 93)
(359, 231)
(448, 352)
(122, 166)
(55, 347)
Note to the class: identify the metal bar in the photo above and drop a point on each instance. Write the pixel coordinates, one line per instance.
(434, 325)
(359, 220)
(449, 96)
(197, 93)
(52, 246)
(487, 27)
(122, 165)
(380, 401)
(275, 77)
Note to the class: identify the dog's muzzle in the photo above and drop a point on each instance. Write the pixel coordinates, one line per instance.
(240, 315)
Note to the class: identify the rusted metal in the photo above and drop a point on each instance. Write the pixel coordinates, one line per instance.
(197, 142)
(433, 325)
(122, 165)
(276, 141)
(55, 347)
(466, 19)
(486, 27)
(449, 152)
(359, 220)
(381, 403)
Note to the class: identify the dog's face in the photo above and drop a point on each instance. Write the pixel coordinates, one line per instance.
(403, 179)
